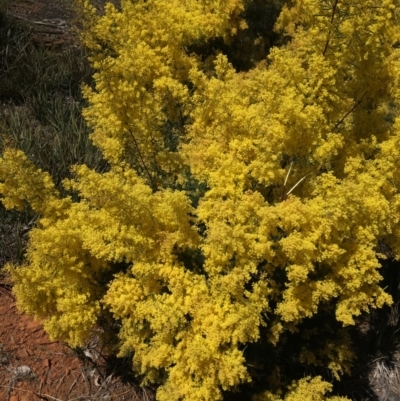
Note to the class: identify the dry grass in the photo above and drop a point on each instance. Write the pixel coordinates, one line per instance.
(40, 113)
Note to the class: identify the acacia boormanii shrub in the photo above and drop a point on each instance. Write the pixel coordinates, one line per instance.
(239, 207)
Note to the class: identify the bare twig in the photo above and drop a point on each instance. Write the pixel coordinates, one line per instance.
(52, 25)
(298, 182)
(9, 388)
(330, 32)
(141, 159)
(288, 173)
(48, 32)
(284, 195)
(349, 112)
(60, 382)
(70, 389)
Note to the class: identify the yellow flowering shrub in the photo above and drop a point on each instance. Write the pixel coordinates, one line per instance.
(306, 389)
(240, 207)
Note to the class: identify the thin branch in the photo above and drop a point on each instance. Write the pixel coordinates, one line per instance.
(285, 195)
(284, 184)
(349, 112)
(334, 10)
(60, 26)
(327, 43)
(141, 159)
(330, 32)
(47, 32)
(298, 182)
(70, 389)
(287, 175)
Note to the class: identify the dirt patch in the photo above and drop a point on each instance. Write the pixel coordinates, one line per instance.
(34, 368)
(51, 23)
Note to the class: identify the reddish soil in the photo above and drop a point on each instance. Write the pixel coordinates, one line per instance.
(34, 368)
(54, 369)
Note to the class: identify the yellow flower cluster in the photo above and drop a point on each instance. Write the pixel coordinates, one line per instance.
(235, 200)
(306, 389)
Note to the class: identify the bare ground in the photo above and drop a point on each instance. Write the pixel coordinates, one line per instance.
(34, 368)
